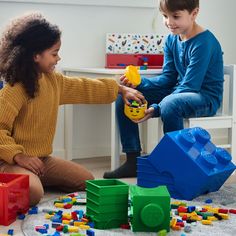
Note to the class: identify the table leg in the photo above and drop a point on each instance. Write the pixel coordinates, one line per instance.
(115, 139)
(68, 131)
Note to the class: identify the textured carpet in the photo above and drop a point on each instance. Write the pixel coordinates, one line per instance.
(224, 198)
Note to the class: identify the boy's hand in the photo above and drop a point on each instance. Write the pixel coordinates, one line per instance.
(124, 81)
(148, 114)
(131, 94)
(33, 164)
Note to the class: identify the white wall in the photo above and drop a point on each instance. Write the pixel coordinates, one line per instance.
(219, 17)
(84, 28)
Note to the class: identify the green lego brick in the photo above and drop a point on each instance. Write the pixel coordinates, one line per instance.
(150, 208)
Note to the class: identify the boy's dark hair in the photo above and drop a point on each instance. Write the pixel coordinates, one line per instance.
(178, 5)
(25, 37)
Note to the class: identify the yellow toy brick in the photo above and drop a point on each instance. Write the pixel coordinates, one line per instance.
(132, 74)
(73, 229)
(66, 222)
(79, 223)
(85, 227)
(206, 222)
(212, 218)
(224, 216)
(59, 205)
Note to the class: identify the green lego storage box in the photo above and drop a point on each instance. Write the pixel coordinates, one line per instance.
(107, 202)
(118, 198)
(150, 209)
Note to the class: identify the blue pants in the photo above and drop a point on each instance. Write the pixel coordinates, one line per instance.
(172, 108)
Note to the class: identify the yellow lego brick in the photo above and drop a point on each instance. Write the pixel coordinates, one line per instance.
(85, 227)
(66, 222)
(207, 207)
(67, 216)
(73, 229)
(193, 214)
(78, 223)
(197, 218)
(212, 218)
(176, 227)
(48, 216)
(184, 214)
(224, 216)
(173, 222)
(59, 205)
(176, 202)
(206, 222)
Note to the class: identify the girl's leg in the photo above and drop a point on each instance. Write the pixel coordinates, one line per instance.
(65, 175)
(35, 185)
(175, 107)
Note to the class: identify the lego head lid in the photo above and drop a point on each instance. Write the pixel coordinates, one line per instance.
(132, 74)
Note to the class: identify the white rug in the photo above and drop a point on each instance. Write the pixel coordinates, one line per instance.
(224, 198)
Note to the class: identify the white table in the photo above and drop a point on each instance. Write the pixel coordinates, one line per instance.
(91, 73)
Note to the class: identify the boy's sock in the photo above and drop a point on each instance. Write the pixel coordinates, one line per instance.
(128, 169)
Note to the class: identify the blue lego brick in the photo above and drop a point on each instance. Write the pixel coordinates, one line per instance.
(10, 232)
(187, 162)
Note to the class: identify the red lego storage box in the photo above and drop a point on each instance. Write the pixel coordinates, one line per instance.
(14, 196)
(117, 61)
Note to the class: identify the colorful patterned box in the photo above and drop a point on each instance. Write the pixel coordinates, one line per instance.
(134, 43)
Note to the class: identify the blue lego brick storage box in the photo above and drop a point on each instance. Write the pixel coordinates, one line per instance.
(187, 162)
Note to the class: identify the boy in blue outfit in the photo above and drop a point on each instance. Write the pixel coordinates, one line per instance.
(191, 84)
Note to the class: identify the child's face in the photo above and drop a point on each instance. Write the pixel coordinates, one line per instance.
(180, 22)
(48, 59)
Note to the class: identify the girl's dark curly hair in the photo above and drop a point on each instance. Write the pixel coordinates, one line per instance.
(25, 37)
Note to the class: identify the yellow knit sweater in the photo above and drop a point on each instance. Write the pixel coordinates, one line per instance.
(28, 125)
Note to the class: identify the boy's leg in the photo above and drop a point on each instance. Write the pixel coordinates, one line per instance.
(66, 175)
(35, 185)
(175, 107)
(129, 134)
(130, 141)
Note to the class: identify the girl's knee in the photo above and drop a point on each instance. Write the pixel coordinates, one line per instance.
(82, 183)
(36, 193)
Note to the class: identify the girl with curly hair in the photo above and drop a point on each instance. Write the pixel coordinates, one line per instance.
(30, 100)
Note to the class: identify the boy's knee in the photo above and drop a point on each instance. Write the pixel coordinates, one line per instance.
(169, 107)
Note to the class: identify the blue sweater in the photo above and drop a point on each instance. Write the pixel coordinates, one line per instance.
(195, 65)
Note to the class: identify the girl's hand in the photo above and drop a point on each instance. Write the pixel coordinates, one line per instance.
(148, 114)
(131, 94)
(124, 81)
(33, 164)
